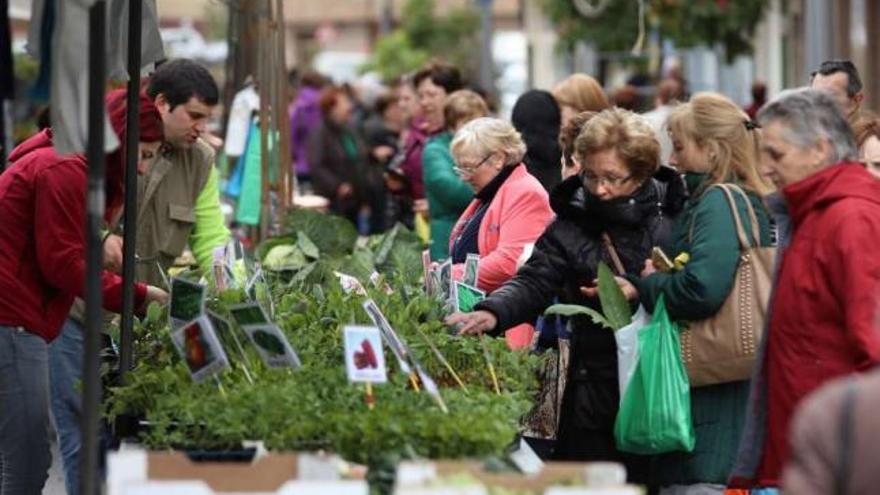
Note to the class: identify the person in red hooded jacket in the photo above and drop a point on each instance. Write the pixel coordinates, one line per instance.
(822, 318)
(42, 269)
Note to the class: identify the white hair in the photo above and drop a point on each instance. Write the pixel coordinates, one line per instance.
(487, 135)
(810, 115)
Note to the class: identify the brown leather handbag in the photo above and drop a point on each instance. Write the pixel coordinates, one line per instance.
(722, 348)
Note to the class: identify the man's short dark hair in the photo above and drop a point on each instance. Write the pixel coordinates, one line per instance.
(181, 79)
(829, 67)
(446, 76)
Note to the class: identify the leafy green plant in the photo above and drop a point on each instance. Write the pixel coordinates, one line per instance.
(306, 245)
(616, 309)
(285, 257)
(612, 299)
(331, 234)
(576, 309)
(315, 407)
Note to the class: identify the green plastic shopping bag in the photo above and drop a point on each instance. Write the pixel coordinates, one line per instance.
(655, 412)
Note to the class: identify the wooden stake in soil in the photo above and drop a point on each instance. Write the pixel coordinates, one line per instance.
(489, 363)
(370, 398)
(441, 358)
(414, 381)
(220, 387)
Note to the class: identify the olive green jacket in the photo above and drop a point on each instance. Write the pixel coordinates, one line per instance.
(178, 204)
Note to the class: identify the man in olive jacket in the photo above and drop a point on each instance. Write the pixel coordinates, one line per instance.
(178, 204)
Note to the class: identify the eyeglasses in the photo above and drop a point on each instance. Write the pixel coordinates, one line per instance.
(472, 170)
(593, 180)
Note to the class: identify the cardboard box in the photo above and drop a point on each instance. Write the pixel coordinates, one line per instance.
(414, 478)
(137, 472)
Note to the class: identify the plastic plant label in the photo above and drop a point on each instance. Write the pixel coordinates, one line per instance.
(398, 347)
(445, 272)
(364, 355)
(248, 314)
(200, 349)
(350, 284)
(466, 297)
(471, 269)
(187, 302)
(426, 270)
(273, 346)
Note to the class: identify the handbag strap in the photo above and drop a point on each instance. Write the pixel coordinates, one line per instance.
(753, 217)
(844, 452)
(740, 230)
(615, 259)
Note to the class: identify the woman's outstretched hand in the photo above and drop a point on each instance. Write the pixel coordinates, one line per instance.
(472, 323)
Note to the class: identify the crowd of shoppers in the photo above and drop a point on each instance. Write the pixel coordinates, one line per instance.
(569, 182)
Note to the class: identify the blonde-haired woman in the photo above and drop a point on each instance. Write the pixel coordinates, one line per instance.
(579, 93)
(510, 209)
(448, 195)
(714, 142)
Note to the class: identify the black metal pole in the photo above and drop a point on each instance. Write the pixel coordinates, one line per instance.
(90, 481)
(132, 135)
(7, 86)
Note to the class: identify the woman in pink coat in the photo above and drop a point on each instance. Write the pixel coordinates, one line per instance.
(509, 212)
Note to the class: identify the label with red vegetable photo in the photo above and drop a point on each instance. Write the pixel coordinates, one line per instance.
(198, 345)
(364, 357)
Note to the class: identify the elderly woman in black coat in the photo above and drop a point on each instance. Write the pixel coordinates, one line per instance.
(619, 206)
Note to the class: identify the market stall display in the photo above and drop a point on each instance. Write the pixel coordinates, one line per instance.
(444, 405)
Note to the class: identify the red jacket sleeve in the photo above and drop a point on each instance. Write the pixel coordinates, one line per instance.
(855, 272)
(59, 211)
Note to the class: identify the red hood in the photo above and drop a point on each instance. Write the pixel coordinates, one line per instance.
(35, 142)
(846, 180)
(114, 167)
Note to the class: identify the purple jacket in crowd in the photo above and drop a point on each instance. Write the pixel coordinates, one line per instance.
(305, 117)
(412, 164)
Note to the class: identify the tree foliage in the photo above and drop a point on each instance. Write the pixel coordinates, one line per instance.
(395, 55)
(686, 22)
(423, 34)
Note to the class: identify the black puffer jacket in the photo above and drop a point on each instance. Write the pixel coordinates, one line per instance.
(566, 257)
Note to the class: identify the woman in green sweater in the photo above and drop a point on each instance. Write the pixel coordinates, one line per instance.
(714, 142)
(447, 194)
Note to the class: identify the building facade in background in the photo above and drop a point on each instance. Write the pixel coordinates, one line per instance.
(794, 37)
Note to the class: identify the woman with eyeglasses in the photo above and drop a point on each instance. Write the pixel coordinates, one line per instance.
(509, 211)
(620, 206)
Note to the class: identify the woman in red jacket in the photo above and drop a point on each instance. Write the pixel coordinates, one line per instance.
(42, 269)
